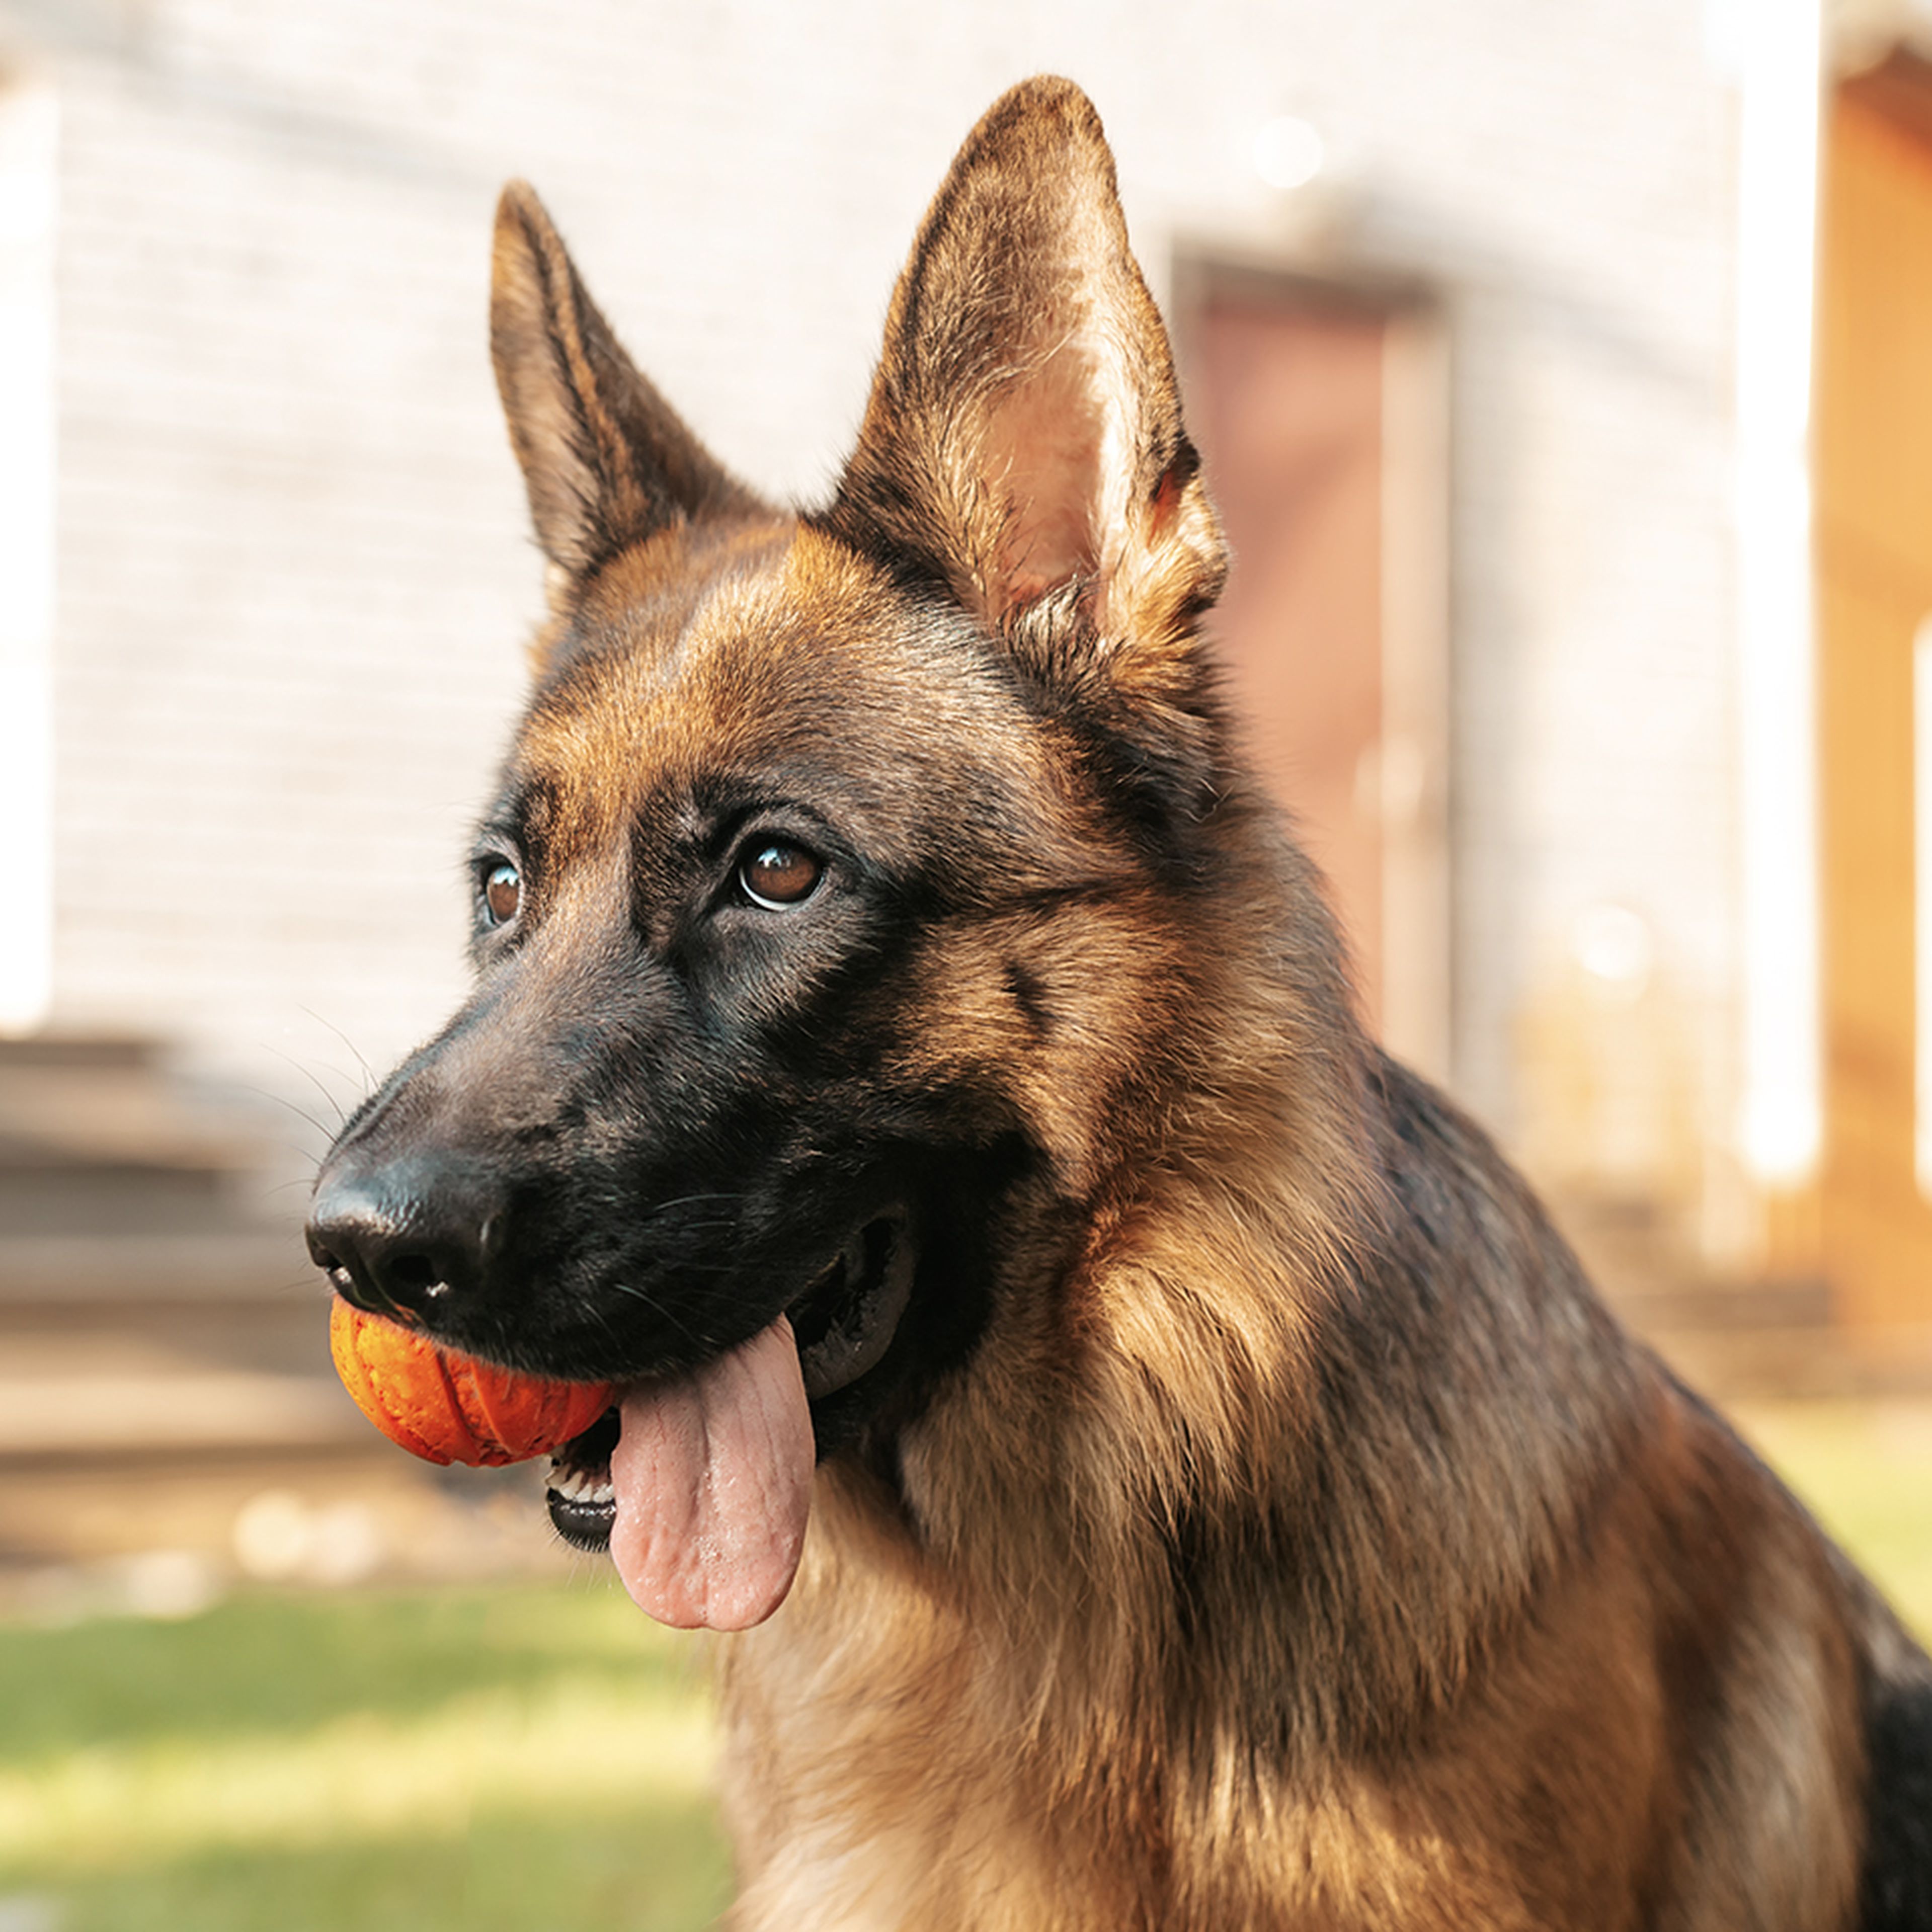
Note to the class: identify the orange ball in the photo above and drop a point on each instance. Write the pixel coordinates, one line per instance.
(447, 1407)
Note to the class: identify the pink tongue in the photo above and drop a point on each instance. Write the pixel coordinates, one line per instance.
(713, 1476)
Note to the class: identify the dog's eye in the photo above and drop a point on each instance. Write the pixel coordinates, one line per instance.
(502, 893)
(776, 874)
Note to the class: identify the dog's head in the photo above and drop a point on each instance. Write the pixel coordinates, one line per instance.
(832, 918)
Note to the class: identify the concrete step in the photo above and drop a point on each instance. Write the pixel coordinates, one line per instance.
(163, 1336)
(224, 1264)
(1730, 1336)
(83, 1414)
(237, 1358)
(86, 1050)
(63, 1108)
(1735, 1339)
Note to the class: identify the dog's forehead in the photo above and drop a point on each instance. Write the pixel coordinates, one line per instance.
(788, 661)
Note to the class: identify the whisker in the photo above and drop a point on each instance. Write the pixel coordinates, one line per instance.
(657, 1307)
(301, 1113)
(686, 1201)
(308, 1074)
(370, 1083)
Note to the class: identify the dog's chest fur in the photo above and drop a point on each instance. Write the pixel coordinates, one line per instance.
(893, 1763)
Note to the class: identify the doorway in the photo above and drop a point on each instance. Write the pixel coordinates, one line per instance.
(1320, 409)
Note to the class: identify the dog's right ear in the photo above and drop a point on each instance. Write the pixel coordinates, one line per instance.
(607, 460)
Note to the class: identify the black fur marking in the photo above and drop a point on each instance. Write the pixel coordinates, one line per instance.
(1895, 1887)
(1030, 996)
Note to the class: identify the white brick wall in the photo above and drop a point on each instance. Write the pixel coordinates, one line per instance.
(294, 577)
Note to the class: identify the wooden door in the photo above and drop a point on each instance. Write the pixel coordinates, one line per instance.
(1873, 516)
(1319, 412)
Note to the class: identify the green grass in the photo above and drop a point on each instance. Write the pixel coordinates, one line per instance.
(533, 1758)
(1864, 1470)
(660, 1869)
(503, 1760)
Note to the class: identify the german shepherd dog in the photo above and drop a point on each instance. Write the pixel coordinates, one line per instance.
(1179, 1478)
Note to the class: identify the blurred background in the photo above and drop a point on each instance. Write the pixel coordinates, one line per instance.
(1564, 371)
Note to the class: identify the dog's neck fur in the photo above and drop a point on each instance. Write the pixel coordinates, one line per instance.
(1070, 1590)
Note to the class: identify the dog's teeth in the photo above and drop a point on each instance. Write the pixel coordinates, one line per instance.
(579, 1486)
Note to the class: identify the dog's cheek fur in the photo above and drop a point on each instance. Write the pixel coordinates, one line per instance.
(1053, 1012)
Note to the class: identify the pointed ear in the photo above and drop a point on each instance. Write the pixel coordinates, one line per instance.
(1023, 442)
(607, 461)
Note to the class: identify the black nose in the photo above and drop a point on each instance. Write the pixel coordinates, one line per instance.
(412, 1237)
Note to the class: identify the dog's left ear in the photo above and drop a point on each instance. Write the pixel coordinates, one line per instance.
(1023, 443)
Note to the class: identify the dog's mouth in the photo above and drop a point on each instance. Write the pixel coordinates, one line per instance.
(842, 1325)
(581, 1498)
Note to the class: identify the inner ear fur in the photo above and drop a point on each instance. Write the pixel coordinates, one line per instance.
(1023, 443)
(607, 460)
